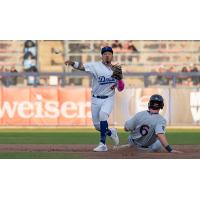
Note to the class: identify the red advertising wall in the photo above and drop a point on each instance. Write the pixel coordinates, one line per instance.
(45, 106)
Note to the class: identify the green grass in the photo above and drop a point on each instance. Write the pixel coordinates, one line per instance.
(48, 138)
(85, 136)
(183, 136)
(38, 155)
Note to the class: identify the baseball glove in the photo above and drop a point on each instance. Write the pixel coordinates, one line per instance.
(117, 72)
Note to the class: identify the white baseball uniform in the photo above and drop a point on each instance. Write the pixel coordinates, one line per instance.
(103, 90)
(144, 127)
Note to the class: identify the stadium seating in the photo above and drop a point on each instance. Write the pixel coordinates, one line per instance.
(11, 53)
(136, 56)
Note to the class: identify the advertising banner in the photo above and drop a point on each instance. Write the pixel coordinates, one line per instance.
(72, 106)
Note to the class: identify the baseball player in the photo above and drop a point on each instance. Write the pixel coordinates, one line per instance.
(105, 78)
(147, 128)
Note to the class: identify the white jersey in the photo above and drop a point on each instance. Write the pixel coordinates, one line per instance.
(144, 127)
(102, 82)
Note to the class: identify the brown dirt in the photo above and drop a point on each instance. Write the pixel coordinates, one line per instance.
(189, 151)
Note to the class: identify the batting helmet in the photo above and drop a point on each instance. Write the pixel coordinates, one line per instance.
(156, 102)
(105, 49)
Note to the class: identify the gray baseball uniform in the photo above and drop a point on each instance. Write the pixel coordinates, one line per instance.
(144, 127)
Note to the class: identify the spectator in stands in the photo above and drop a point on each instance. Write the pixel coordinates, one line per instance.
(185, 80)
(30, 47)
(13, 79)
(161, 80)
(29, 61)
(117, 46)
(129, 47)
(33, 80)
(195, 79)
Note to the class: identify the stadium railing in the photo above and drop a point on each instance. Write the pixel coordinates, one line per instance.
(174, 76)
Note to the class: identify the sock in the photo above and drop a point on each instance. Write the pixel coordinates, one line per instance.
(103, 129)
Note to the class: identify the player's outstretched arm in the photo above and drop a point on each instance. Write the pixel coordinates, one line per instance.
(165, 143)
(75, 65)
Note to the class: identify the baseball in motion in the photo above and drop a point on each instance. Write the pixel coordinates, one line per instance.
(57, 51)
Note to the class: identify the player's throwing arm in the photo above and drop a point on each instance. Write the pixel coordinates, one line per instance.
(75, 65)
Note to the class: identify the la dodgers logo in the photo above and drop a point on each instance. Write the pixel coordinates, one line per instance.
(103, 80)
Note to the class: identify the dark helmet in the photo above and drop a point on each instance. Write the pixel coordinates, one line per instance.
(105, 49)
(156, 102)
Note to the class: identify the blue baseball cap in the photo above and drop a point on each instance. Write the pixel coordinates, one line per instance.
(105, 49)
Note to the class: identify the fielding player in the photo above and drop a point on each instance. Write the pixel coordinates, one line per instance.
(105, 78)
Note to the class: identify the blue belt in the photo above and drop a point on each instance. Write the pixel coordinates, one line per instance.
(100, 97)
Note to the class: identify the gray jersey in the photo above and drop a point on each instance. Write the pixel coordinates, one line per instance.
(144, 127)
(102, 82)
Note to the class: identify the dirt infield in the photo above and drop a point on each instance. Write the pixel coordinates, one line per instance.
(85, 151)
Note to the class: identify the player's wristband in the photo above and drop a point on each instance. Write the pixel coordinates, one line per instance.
(120, 85)
(75, 65)
(168, 148)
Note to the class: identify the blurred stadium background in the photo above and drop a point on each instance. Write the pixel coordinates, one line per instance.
(37, 89)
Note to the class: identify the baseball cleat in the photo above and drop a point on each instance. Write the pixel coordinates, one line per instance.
(101, 147)
(114, 136)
